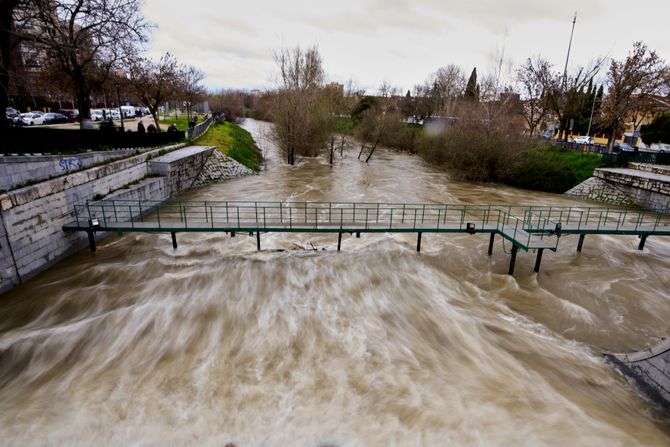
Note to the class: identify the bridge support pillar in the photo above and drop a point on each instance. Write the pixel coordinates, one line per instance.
(258, 240)
(232, 234)
(513, 259)
(339, 241)
(91, 240)
(358, 234)
(174, 239)
(538, 259)
(418, 242)
(580, 244)
(493, 236)
(643, 239)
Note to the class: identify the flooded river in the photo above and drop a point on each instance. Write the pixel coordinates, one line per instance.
(378, 345)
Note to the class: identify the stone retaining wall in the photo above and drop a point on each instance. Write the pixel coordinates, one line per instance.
(31, 234)
(220, 167)
(646, 188)
(15, 170)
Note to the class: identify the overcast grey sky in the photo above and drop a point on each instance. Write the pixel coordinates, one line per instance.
(397, 41)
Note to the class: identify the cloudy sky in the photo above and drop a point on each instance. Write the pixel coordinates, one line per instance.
(397, 41)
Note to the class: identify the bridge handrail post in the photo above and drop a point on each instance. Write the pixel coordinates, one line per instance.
(423, 213)
(227, 218)
(391, 219)
(139, 205)
(341, 217)
(366, 218)
(415, 213)
(88, 209)
(281, 214)
(640, 219)
(600, 217)
(211, 215)
(377, 212)
(354, 216)
(581, 216)
(439, 216)
(76, 215)
(205, 210)
(462, 217)
(305, 205)
(116, 218)
(238, 217)
(588, 213)
(330, 212)
(316, 217)
(104, 218)
(256, 211)
(130, 212)
(185, 217)
(402, 220)
(658, 220)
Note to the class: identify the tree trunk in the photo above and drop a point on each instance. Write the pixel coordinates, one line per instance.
(372, 151)
(361, 152)
(332, 148)
(154, 115)
(83, 102)
(341, 144)
(6, 9)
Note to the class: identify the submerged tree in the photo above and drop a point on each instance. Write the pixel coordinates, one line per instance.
(298, 108)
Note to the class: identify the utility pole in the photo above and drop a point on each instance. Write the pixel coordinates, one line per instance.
(593, 106)
(567, 58)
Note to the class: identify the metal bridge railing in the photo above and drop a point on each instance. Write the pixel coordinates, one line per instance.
(521, 222)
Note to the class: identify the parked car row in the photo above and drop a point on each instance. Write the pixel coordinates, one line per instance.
(37, 118)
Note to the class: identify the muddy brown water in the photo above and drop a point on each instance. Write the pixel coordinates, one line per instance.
(140, 344)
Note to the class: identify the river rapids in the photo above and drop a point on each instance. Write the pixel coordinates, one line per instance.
(299, 345)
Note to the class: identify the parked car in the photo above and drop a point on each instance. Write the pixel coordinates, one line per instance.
(659, 147)
(583, 140)
(32, 118)
(618, 146)
(54, 118)
(97, 115)
(72, 115)
(13, 116)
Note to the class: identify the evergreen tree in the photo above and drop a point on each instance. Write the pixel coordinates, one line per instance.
(472, 89)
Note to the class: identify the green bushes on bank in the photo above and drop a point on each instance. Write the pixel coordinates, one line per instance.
(474, 155)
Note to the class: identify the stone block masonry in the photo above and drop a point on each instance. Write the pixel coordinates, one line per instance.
(31, 234)
(220, 167)
(181, 168)
(648, 187)
(649, 371)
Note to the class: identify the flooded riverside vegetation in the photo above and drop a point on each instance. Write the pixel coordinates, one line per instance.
(299, 345)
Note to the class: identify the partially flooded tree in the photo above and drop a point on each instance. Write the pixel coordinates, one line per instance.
(154, 83)
(298, 109)
(192, 90)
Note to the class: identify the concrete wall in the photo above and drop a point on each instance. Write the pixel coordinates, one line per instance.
(15, 170)
(181, 168)
(32, 217)
(649, 370)
(646, 188)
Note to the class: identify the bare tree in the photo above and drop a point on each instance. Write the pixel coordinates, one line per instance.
(298, 108)
(532, 79)
(633, 80)
(87, 39)
(230, 103)
(564, 97)
(192, 90)
(155, 82)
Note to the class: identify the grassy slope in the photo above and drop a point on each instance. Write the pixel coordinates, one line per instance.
(233, 141)
(582, 163)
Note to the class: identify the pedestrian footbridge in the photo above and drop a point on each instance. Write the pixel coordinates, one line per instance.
(526, 227)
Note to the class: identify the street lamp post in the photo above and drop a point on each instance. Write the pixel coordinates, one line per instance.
(118, 101)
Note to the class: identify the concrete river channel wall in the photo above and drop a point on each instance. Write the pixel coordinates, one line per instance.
(31, 218)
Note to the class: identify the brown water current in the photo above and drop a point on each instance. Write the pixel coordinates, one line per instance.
(378, 345)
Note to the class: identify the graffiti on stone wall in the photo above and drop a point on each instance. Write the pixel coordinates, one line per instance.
(67, 164)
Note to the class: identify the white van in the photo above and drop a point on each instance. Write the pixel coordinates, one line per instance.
(128, 111)
(97, 115)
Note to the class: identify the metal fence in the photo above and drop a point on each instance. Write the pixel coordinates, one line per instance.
(193, 133)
